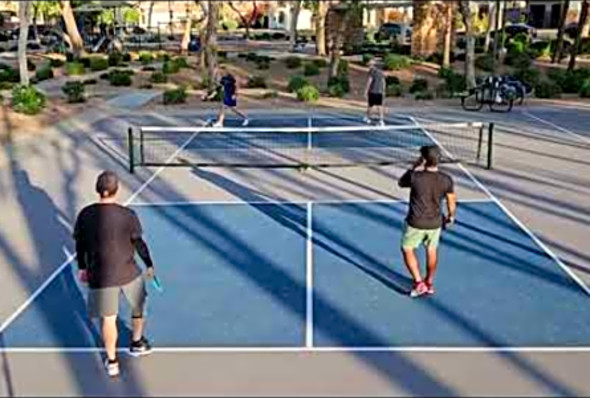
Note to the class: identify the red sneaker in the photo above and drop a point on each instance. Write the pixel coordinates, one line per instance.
(419, 289)
(430, 287)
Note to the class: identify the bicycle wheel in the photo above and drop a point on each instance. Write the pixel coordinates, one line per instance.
(472, 102)
(502, 100)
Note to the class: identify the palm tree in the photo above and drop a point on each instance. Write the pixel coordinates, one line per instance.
(449, 10)
(23, 15)
(72, 28)
(295, 8)
(320, 11)
(556, 57)
(578, 40)
(210, 44)
(467, 16)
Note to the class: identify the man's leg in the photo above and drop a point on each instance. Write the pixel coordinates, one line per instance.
(110, 336)
(381, 112)
(241, 114)
(220, 116)
(412, 264)
(431, 263)
(137, 324)
(136, 296)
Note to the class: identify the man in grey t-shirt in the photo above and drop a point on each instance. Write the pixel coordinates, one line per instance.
(375, 91)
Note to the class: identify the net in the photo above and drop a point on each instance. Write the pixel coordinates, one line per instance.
(336, 146)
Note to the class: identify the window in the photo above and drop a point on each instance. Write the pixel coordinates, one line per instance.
(281, 18)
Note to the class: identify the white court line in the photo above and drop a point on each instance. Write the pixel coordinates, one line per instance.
(72, 257)
(558, 127)
(309, 279)
(341, 349)
(289, 202)
(520, 224)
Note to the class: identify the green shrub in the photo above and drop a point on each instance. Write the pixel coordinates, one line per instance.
(181, 62)
(56, 62)
(6, 85)
(569, 82)
(296, 82)
(164, 57)
(541, 49)
(311, 69)
(342, 69)
(170, 67)
(74, 92)
(256, 82)
(485, 63)
(44, 73)
(340, 81)
(530, 76)
(293, 62)
(120, 78)
(146, 58)
(126, 57)
(443, 91)
(585, 89)
(175, 96)
(547, 89)
(90, 82)
(27, 99)
(367, 58)
(558, 76)
(10, 75)
(320, 63)
(396, 62)
(99, 64)
(394, 90)
(308, 93)
(251, 57)
(392, 81)
(230, 24)
(158, 77)
(31, 67)
(104, 76)
(146, 86)
(75, 69)
(454, 82)
(262, 63)
(115, 58)
(423, 95)
(336, 90)
(520, 60)
(419, 85)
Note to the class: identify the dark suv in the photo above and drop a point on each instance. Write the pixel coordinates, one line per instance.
(393, 31)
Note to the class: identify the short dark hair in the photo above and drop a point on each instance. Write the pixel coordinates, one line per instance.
(107, 184)
(431, 155)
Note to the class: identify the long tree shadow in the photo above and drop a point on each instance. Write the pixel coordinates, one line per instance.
(343, 251)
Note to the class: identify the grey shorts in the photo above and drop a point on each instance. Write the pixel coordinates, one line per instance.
(105, 302)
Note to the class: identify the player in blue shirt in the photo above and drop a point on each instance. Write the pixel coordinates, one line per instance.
(229, 87)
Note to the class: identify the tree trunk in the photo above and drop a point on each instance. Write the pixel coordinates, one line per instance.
(338, 34)
(211, 42)
(72, 28)
(295, 8)
(491, 26)
(424, 32)
(577, 43)
(497, 34)
(465, 9)
(34, 20)
(447, 44)
(245, 21)
(150, 14)
(556, 57)
(23, 15)
(170, 17)
(320, 28)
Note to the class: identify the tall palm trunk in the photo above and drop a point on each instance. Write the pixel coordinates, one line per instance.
(170, 17)
(320, 28)
(295, 8)
(497, 34)
(491, 26)
(72, 28)
(466, 14)
(211, 41)
(150, 14)
(23, 15)
(556, 57)
(448, 38)
(577, 42)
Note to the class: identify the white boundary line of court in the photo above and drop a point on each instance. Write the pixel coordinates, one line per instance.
(72, 257)
(309, 279)
(301, 349)
(558, 127)
(520, 224)
(288, 202)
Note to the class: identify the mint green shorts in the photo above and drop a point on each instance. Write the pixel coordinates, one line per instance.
(414, 237)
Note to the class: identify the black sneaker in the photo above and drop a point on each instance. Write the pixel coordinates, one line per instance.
(140, 348)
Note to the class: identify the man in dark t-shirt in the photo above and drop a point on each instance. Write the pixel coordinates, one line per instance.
(229, 89)
(107, 236)
(428, 186)
(375, 92)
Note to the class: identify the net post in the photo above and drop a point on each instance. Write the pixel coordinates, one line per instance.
(131, 150)
(141, 147)
(490, 145)
(480, 142)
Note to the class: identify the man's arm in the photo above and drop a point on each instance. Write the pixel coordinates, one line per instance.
(369, 81)
(81, 253)
(405, 180)
(143, 251)
(451, 207)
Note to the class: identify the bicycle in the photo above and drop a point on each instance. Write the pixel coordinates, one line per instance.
(496, 92)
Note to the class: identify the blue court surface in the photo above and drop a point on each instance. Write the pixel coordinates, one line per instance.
(327, 275)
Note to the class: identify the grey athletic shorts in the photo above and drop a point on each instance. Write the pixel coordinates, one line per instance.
(105, 302)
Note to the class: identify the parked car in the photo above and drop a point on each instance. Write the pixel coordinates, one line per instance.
(400, 33)
(516, 29)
